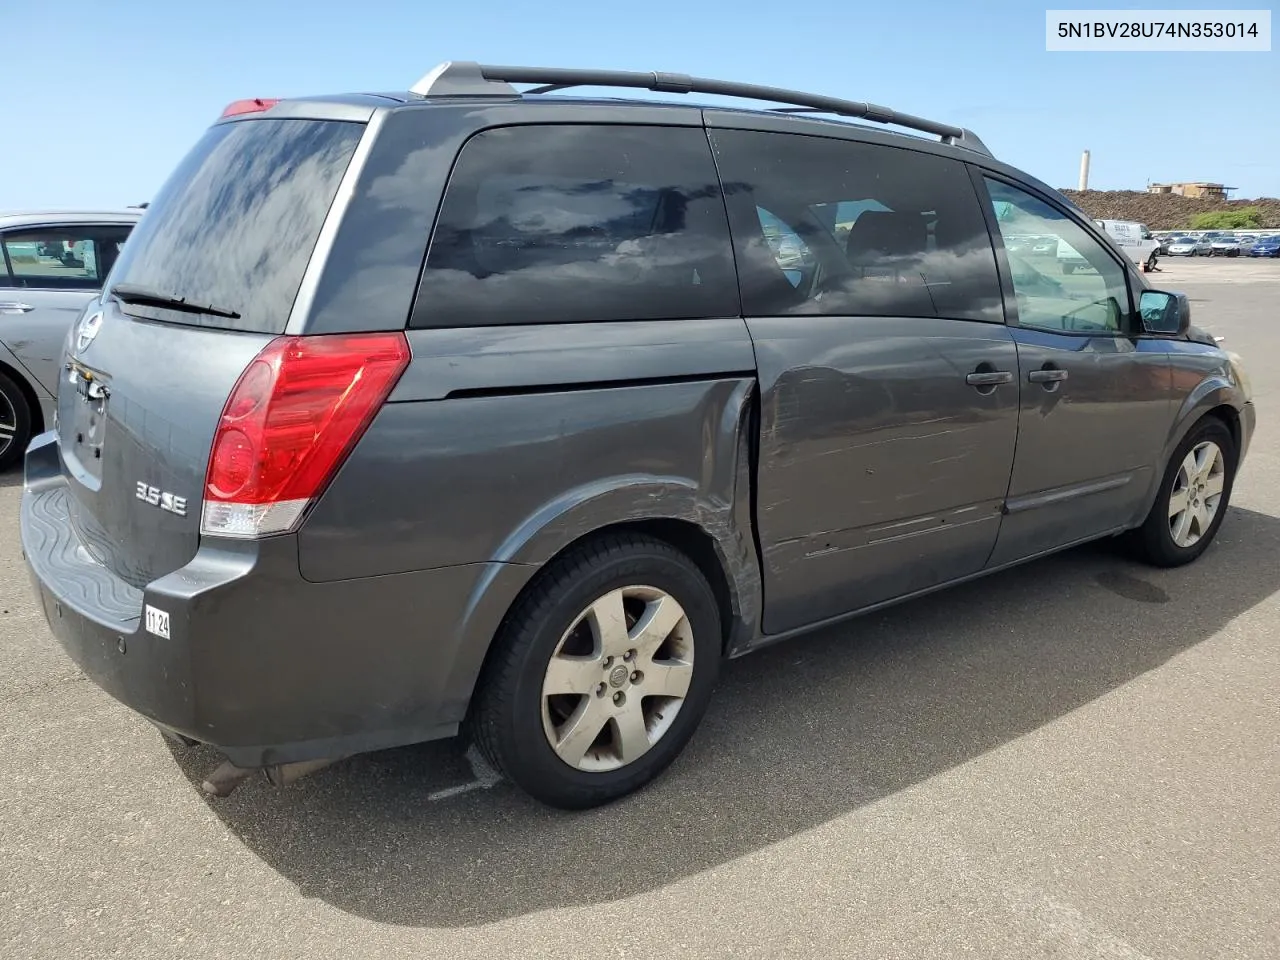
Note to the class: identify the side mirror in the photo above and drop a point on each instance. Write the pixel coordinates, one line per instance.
(1166, 314)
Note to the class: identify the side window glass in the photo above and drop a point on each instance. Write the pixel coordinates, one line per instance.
(1078, 288)
(571, 223)
(793, 256)
(855, 229)
(110, 242)
(53, 258)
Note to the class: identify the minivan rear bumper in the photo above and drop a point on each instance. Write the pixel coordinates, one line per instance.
(259, 663)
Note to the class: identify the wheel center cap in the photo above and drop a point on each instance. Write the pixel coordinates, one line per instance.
(618, 676)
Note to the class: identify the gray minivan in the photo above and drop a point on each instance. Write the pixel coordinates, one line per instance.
(471, 410)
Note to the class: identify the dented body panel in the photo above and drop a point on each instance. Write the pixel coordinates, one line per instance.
(882, 471)
(509, 443)
(1088, 446)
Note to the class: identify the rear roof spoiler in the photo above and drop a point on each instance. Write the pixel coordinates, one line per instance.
(464, 78)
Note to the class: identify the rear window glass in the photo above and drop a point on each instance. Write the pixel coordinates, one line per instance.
(572, 223)
(236, 223)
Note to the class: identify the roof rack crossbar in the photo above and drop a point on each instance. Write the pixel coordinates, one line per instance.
(465, 78)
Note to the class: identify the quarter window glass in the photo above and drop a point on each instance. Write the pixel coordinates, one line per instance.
(572, 223)
(855, 229)
(63, 258)
(1078, 288)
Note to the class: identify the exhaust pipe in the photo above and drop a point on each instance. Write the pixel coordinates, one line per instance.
(283, 774)
(224, 780)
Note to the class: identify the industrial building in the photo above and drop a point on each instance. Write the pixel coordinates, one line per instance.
(1199, 189)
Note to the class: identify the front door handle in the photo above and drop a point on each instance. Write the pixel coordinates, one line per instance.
(1047, 375)
(13, 306)
(988, 378)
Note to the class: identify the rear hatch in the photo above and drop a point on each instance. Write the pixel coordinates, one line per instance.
(205, 282)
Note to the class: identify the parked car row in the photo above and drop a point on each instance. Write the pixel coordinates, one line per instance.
(1221, 245)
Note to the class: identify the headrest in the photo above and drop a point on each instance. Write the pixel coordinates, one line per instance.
(880, 234)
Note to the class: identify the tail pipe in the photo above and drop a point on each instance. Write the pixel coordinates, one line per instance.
(224, 780)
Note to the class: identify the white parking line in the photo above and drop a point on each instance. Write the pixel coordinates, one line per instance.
(485, 777)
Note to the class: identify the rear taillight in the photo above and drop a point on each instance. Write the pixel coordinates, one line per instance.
(254, 105)
(294, 415)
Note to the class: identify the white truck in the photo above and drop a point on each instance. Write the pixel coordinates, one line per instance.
(1131, 237)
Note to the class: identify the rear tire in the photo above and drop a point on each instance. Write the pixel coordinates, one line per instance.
(15, 423)
(566, 706)
(1193, 498)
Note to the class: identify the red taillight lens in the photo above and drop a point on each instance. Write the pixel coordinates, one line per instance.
(292, 418)
(254, 105)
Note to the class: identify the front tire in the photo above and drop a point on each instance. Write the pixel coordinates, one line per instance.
(600, 673)
(1193, 497)
(15, 423)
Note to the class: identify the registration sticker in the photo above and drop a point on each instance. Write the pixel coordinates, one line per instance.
(157, 622)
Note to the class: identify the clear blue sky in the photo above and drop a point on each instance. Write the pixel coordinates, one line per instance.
(100, 99)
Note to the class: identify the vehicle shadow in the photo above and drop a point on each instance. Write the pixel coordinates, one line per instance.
(799, 734)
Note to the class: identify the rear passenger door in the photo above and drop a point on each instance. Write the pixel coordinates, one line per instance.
(1096, 396)
(889, 397)
(51, 273)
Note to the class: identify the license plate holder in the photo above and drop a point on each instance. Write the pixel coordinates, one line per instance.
(84, 420)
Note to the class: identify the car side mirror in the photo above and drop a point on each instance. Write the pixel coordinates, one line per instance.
(1165, 314)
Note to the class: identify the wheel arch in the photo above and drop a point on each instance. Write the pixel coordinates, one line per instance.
(1230, 416)
(701, 548)
(723, 554)
(1213, 397)
(735, 584)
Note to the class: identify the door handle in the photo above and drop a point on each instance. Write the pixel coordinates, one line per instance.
(988, 378)
(13, 306)
(1047, 375)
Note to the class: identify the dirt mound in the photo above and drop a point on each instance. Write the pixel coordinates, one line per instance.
(1163, 211)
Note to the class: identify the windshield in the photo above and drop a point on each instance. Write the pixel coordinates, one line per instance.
(235, 225)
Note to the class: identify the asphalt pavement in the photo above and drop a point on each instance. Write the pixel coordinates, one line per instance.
(1078, 758)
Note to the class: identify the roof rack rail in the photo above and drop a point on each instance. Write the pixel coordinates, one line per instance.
(464, 78)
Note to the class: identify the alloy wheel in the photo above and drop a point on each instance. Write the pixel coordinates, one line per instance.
(1197, 493)
(617, 679)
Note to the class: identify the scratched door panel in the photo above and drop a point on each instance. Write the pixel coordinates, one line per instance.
(1088, 445)
(882, 470)
(870, 287)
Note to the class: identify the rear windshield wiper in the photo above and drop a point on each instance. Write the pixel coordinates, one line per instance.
(133, 293)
